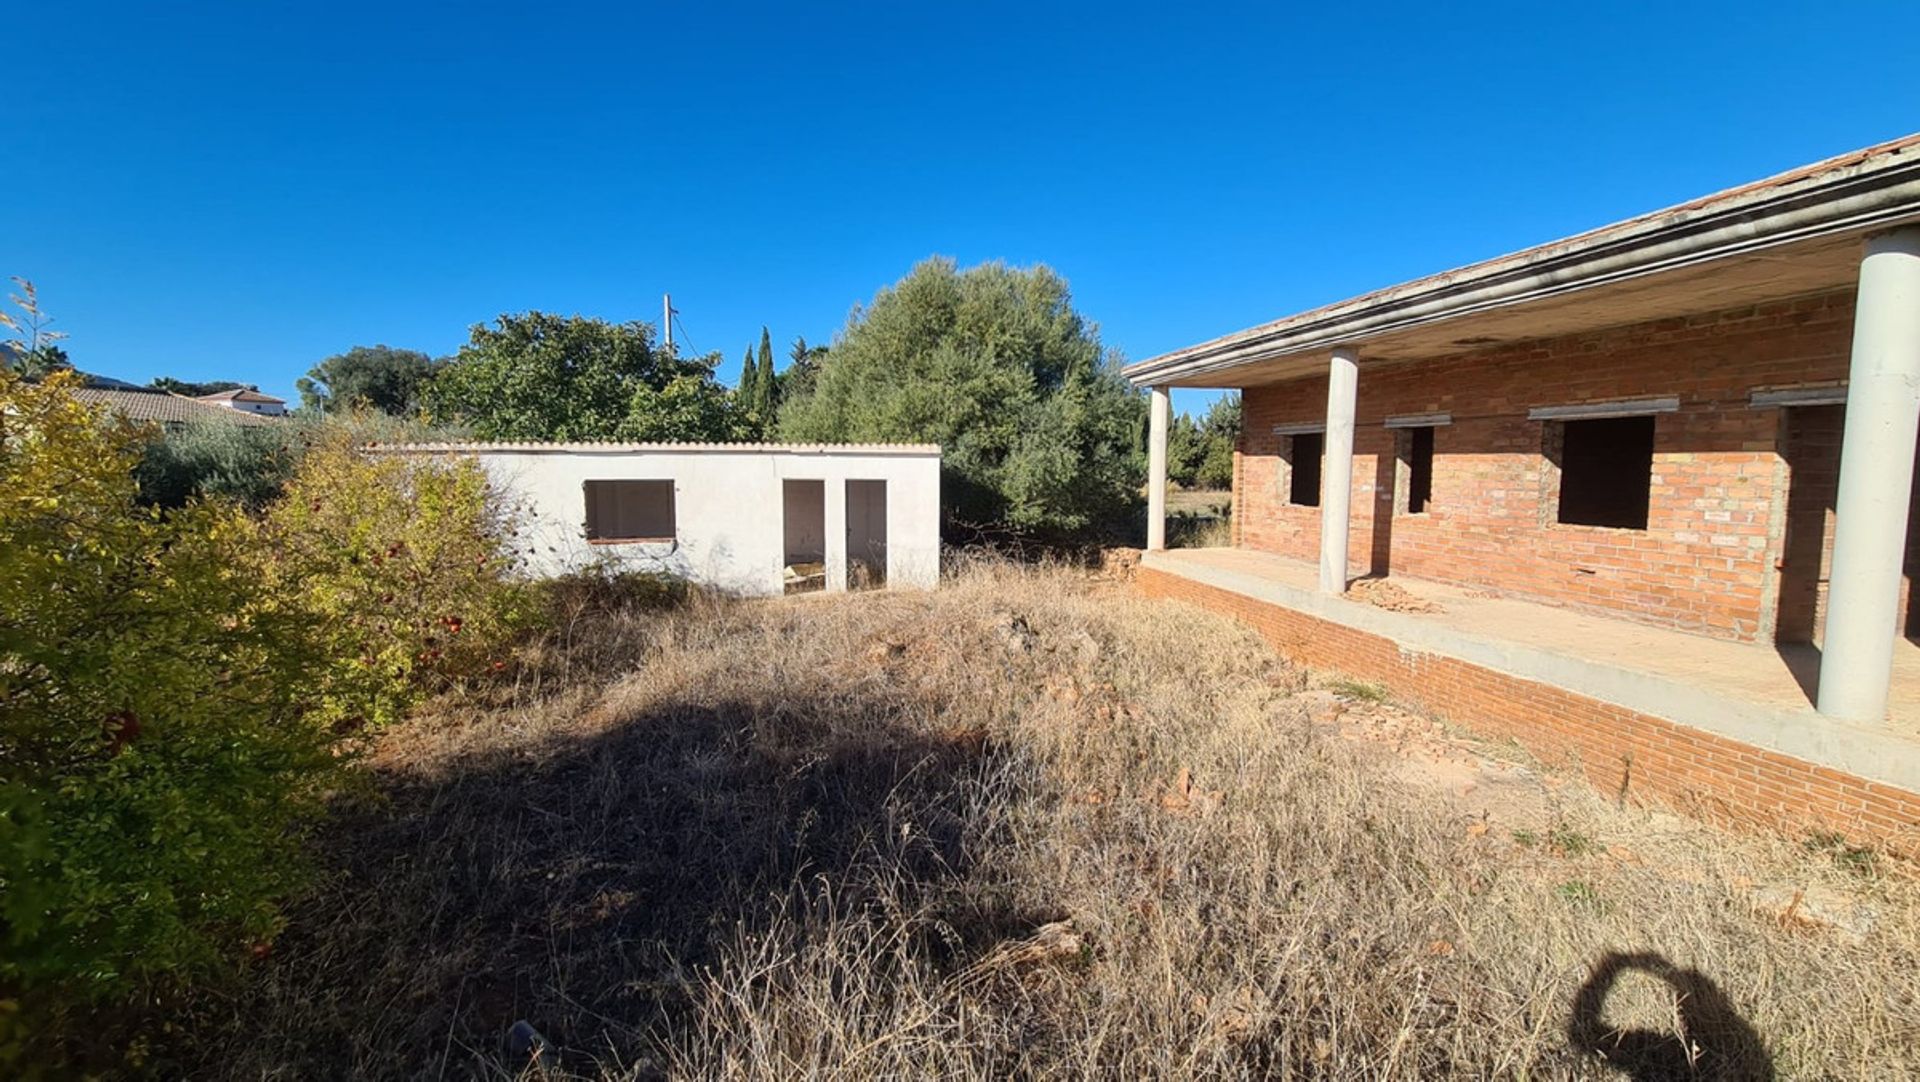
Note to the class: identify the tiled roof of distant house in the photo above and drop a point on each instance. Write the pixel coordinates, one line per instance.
(166, 409)
(240, 394)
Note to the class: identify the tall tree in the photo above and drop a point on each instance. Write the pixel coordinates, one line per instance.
(748, 392)
(1219, 436)
(765, 389)
(1185, 449)
(371, 377)
(1039, 429)
(540, 376)
(797, 381)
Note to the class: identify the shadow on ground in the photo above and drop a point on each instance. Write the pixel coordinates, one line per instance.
(580, 882)
(1710, 1041)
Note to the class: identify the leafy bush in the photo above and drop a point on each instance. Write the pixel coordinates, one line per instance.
(403, 564)
(610, 590)
(539, 376)
(252, 464)
(1039, 430)
(219, 460)
(156, 763)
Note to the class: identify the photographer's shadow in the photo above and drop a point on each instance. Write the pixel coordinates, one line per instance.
(1713, 1042)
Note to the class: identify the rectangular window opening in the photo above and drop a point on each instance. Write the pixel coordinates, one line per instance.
(1606, 472)
(1303, 488)
(629, 511)
(1419, 469)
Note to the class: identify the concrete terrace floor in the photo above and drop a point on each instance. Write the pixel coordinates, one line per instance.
(1643, 657)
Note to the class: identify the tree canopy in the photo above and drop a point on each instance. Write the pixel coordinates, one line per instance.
(1200, 453)
(1039, 431)
(194, 389)
(540, 376)
(367, 377)
(805, 361)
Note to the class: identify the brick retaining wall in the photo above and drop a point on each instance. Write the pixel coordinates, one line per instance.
(1620, 751)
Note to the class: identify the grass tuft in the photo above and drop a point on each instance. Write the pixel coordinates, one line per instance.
(1359, 690)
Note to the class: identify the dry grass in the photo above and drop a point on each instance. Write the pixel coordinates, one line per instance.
(1206, 502)
(1028, 825)
(1199, 518)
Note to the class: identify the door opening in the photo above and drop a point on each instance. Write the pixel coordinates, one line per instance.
(804, 551)
(866, 534)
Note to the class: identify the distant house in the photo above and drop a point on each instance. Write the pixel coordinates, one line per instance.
(162, 408)
(246, 401)
(754, 519)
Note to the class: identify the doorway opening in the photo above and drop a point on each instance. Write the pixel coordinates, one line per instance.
(804, 551)
(1810, 445)
(866, 534)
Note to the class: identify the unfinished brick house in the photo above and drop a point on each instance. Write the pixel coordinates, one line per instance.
(1648, 488)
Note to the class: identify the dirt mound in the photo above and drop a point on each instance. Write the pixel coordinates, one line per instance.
(1390, 595)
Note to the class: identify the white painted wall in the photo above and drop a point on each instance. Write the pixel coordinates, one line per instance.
(728, 505)
(263, 409)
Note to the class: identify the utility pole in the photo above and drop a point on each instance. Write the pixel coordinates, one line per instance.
(666, 319)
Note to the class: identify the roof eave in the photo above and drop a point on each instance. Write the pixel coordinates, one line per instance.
(1857, 200)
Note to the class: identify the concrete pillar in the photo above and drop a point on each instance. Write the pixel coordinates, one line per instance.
(1336, 476)
(1159, 416)
(836, 522)
(1876, 477)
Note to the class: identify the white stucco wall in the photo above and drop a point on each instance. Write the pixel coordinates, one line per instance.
(728, 508)
(263, 409)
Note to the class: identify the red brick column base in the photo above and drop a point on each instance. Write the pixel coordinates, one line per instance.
(1620, 751)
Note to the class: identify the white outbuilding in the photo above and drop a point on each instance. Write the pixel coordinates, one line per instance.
(754, 519)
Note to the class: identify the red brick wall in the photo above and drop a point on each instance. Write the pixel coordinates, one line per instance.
(1620, 751)
(1706, 561)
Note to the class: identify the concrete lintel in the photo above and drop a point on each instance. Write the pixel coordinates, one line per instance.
(1419, 420)
(1798, 396)
(1589, 411)
(1304, 428)
(1867, 751)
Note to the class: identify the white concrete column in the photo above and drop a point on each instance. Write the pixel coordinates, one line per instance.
(1876, 478)
(1336, 476)
(836, 523)
(1159, 416)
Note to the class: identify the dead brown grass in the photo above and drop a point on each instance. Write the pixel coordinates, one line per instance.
(1028, 825)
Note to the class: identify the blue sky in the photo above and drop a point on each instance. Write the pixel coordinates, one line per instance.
(236, 191)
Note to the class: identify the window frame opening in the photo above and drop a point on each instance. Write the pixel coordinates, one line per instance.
(1416, 460)
(1606, 464)
(1311, 478)
(646, 521)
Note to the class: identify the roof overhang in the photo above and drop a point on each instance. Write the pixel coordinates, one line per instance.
(1791, 235)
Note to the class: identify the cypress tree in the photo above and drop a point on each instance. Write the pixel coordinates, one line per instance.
(749, 391)
(763, 382)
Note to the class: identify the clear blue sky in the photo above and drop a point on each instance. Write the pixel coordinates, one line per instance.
(236, 191)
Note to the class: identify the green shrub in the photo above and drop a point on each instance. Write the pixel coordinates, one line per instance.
(1038, 430)
(403, 565)
(609, 590)
(219, 460)
(156, 763)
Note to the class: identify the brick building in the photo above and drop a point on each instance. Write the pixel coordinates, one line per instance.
(1651, 485)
